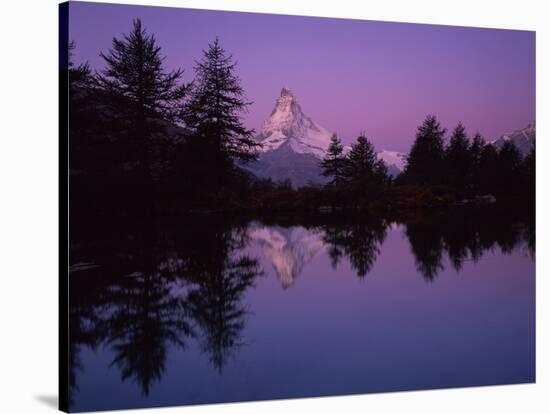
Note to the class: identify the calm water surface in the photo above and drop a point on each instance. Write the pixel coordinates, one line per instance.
(216, 310)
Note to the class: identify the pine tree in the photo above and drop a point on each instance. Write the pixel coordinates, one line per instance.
(425, 161)
(488, 169)
(140, 94)
(215, 107)
(457, 158)
(87, 142)
(476, 149)
(134, 73)
(363, 167)
(508, 168)
(78, 75)
(333, 164)
(381, 172)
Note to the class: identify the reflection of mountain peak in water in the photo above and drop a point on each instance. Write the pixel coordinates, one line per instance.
(288, 249)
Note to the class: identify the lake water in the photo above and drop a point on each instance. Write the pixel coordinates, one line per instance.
(211, 309)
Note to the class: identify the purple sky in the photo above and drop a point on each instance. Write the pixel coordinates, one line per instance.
(349, 75)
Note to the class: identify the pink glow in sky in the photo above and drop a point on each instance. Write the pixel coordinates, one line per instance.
(349, 75)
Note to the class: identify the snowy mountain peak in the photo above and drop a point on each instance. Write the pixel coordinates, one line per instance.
(395, 161)
(286, 92)
(288, 125)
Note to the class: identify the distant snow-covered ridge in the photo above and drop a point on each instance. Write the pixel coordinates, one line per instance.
(524, 139)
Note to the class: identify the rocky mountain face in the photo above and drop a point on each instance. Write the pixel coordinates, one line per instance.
(294, 145)
(288, 125)
(284, 163)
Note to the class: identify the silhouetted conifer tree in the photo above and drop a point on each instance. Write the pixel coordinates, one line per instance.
(508, 168)
(488, 168)
(334, 163)
(425, 161)
(457, 158)
(363, 167)
(78, 75)
(141, 93)
(90, 152)
(528, 173)
(214, 112)
(476, 149)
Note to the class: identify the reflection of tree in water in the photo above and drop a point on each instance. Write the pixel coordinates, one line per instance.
(461, 234)
(460, 241)
(139, 313)
(83, 319)
(466, 235)
(333, 237)
(529, 234)
(143, 320)
(360, 241)
(215, 303)
(156, 285)
(218, 277)
(150, 287)
(427, 247)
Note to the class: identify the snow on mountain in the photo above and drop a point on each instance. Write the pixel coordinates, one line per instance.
(395, 161)
(393, 158)
(294, 144)
(288, 124)
(288, 249)
(522, 138)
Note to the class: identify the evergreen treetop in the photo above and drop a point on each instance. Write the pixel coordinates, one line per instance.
(425, 161)
(135, 73)
(216, 105)
(458, 158)
(333, 164)
(476, 148)
(363, 166)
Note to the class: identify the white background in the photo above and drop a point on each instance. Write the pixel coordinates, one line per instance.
(28, 204)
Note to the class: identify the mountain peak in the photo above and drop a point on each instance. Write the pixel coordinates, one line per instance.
(286, 92)
(293, 144)
(287, 124)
